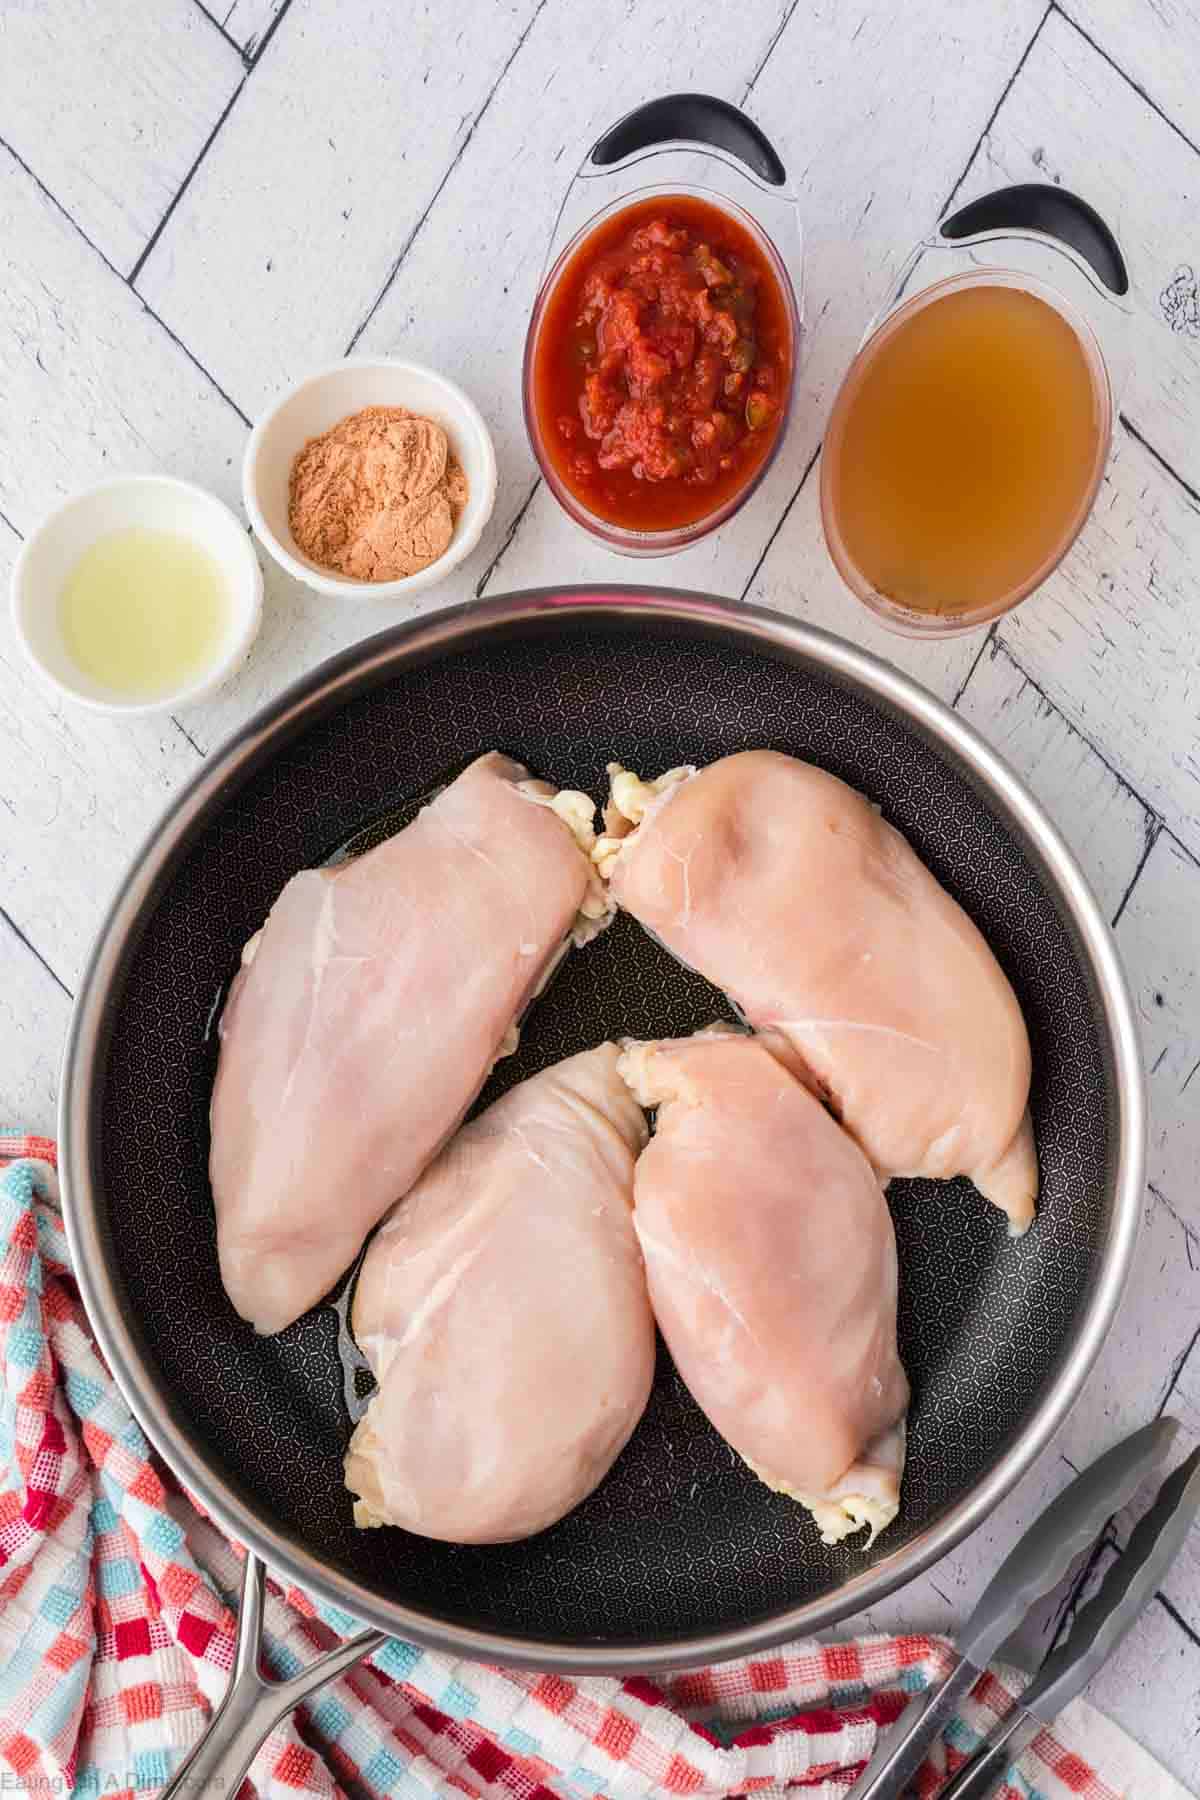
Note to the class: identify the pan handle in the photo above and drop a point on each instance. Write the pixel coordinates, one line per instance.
(254, 1704)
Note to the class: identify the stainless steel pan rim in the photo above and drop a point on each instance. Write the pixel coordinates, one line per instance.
(139, 1382)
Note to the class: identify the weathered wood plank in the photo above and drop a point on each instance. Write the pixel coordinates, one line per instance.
(1159, 939)
(1110, 636)
(1134, 1371)
(872, 168)
(1104, 822)
(1072, 118)
(1156, 44)
(110, 111)
(537, 132)
(34, 1010)
(325, 165)
(92, 384)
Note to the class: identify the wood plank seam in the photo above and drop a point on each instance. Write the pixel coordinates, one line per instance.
(995, 112)
(778, 32)
(35, 953)
(509, 535)
(249, 67)
(1153, 833)
(780, 522)
(254, 55)
(453, 164)
(112, 268)
(184, 732)
(1191, 1237)
(990, 638)
(1001, 645)
(1174, 1613)
(218, 27)
(181, 190)
(1177, 1368)
(1069, 19)
(1167, 467)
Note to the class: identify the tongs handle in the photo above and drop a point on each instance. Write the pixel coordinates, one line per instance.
(1122, 1596)
(1036, 1565)
(1069, 1524)
(1119, 1601)
(253, 1703)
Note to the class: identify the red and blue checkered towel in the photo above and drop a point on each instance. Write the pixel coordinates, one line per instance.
(116, 1637)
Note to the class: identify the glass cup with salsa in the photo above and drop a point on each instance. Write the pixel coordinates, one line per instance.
(661, 354)
(969, 438)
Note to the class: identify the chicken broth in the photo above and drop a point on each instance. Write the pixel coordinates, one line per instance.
(964, 451)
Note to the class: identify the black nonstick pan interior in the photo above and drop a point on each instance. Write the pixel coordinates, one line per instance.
(680, 1539)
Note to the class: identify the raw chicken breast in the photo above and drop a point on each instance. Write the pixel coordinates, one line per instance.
(772, 1268)
(788, 890)
(366, 1016)
(503, 1309)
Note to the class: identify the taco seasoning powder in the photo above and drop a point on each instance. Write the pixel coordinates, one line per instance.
(377, 496)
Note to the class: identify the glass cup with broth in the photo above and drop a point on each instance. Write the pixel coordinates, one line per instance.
(970, 436)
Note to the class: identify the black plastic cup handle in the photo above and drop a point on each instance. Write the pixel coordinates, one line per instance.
(698, 118)
(1037, 206)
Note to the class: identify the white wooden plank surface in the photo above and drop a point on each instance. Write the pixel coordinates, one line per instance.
(833, 96)
(1156, 43)
(92, 384)
(1109, 635)
(1072, 118)
(337, 146)
(1159, 940)
(533, 139)
(34, 1010)
(1134, 1371)
(110, 109)
(1103, 821)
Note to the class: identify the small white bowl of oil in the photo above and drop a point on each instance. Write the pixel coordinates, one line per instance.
(138, 595)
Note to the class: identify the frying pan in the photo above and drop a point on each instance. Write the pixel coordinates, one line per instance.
(681, 1556)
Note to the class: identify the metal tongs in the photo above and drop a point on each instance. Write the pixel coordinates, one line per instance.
(1038, 1563)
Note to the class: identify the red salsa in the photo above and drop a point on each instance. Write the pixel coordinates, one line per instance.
(661, 364)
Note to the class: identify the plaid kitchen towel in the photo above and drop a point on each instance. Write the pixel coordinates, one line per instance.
(116, 1635)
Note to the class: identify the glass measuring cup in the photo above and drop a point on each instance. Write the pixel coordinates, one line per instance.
(682, 147)
(1006, 252)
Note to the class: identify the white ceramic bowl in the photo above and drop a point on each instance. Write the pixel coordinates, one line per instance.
(159, 503)
(321, 401)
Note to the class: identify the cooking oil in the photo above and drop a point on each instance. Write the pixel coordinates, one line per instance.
(144, 612)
